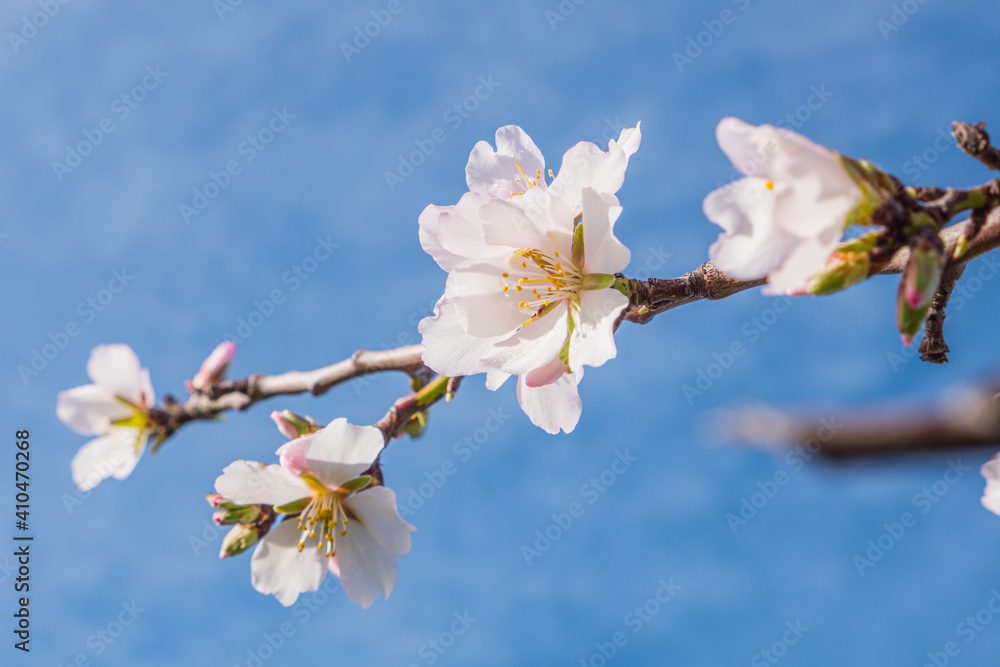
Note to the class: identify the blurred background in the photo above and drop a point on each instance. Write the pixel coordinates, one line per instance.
(118, 128)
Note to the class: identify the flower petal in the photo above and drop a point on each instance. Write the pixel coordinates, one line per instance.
(534, 345)
(117, 369)
(292, 454)
(603, 253)
(113, 455)
(453, 234)
(366, 569)
(555, 406)
(991, 494)
(342, 451)
(586, 165)
(90, 409)
(534, 220)
(482, 308)
(800, 265)
(278, 568)
(376, 509)
(448, 349)
(495, 379)
(249, 482)
(497, 173)
(593, 340)
(547, 374)
(753, 244)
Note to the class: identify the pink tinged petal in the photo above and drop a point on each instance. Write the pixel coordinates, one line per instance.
(278, 568)
(292, 454)
(593, 339)
(286, 427)
(752, 244)
(213, 369)
(603, 253)
(117, 369)
(113, 455)
(991, 494)
(496, 172)
(495, 379)
(555, 406)
(448, 349)
(533, 346)
(249, 482)
(341, 451)
(547, 374)
(90, 409)
(366, 569)
(375, 507)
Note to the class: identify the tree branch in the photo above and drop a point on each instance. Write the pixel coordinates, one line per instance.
(970, 419)
(241, 394)
(975, 142)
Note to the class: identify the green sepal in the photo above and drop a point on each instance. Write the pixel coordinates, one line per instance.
(294, 507)
(578, 251)
(597, 281)
(245, 514)
(238, 540)
(357, 484)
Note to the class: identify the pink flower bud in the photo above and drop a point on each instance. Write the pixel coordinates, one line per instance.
(286, 427)
(213, 369)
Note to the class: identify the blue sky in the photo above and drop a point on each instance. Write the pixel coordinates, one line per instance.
(132, 551)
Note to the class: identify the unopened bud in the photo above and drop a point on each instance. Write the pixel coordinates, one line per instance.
(294, 426)
(848, 265)
(240, 514)
(920, 282)
(238, 540)
(213, 369)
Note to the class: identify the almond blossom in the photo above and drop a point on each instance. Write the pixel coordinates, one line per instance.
(787, 215)
(345, 524)
(214, 368)
(531, 267)
(991, 495)
(116, 408)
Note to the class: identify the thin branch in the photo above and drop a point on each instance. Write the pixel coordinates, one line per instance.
(975, 142)
(933, 347)
(241, 394)
(708, 282)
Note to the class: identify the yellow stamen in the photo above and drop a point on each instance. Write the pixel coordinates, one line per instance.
(769, 185)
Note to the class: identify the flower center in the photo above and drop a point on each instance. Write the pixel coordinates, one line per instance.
(528, 183)
(543, 280)
(319, 520)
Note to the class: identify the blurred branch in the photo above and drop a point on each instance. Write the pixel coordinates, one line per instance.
(975, 142)
(969, 418)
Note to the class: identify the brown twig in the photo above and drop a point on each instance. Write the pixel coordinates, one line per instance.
(241, 394)
(975, 142)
